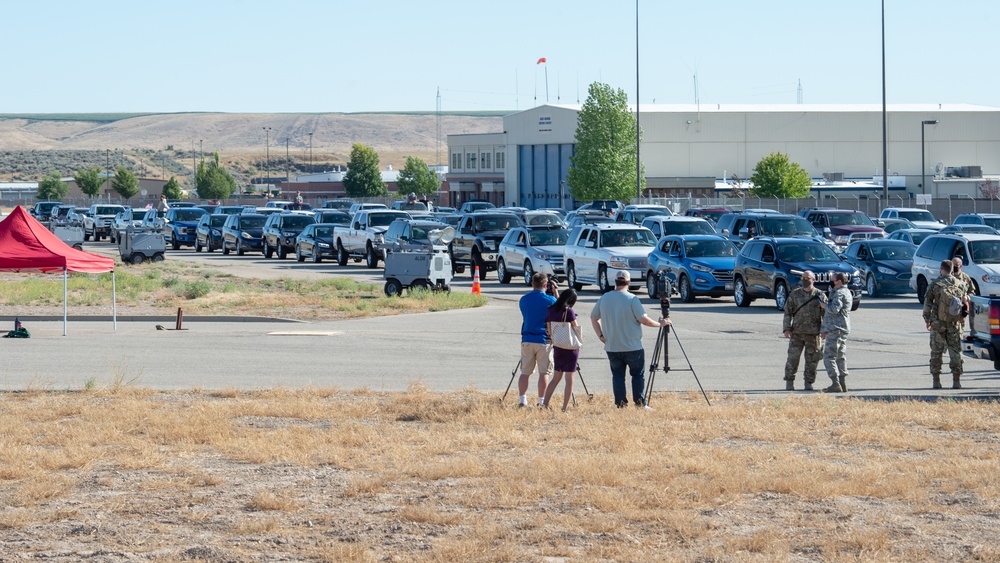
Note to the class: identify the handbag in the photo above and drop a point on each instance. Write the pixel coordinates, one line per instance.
(565, 336)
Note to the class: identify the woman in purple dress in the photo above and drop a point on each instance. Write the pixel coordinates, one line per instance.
(563, 360)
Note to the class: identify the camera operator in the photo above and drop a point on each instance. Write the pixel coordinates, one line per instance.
(836, 327)
(536, 348)
(616, 319)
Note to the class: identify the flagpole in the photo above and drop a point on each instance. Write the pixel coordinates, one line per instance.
(546, 83)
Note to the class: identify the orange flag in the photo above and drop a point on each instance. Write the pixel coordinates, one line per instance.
(540, 61)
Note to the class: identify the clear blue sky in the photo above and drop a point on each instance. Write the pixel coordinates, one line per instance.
(393, 55)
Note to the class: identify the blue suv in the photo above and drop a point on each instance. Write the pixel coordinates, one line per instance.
(180, 225)
(769, 267)
(694, 264)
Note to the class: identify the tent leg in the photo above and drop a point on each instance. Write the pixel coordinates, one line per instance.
(65, 283)
(114, 303)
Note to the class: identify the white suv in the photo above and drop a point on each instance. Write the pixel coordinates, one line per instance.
(919, 217)
(595, 253)
(980, 254)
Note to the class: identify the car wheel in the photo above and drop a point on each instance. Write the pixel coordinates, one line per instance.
(529, 273)
(225, 249)
(685, 289)
(780, 295)
(371, 259)
(210, 248)
(740, 294)
(651, 285)
(282, 253)
(871, 286)
(341, 255)
(477, 260)
(239, 248)
(855, 304)
(86, 236)
(571, 277)
(137, 259)
(197, 246)
(175, 245)
(921, 289)
(316, 258)
(268, 251)
(393, 288)
(158, 257)
(602, 279)
(502, 274)
(419, 284)
(298, 254)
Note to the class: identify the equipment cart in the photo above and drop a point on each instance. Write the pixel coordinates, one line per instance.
(72, 236)
(419, 265)
(137, 245)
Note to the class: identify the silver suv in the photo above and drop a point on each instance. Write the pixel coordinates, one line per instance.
(595, 253)
(980, 255)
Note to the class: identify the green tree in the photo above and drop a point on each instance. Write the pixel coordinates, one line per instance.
(603, 163)
(418, 178)
(89, 180)
(172, 189)
(363, 178)
(213, 181)
(776, 176)
(52, 188)
(125, 183)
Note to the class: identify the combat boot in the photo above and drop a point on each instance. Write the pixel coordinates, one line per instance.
(789, 385)
(955, 384)
(834, 388)
(808, 387)
(843, 383)
(937, 382)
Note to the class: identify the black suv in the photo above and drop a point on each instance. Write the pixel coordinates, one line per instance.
(281, 230)
(739, 227)
(477, 240)
(770, 267)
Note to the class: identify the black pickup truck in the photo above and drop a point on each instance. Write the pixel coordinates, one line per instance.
(477, 240)
(983, 340)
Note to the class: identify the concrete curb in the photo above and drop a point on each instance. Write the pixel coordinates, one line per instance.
(155, 318)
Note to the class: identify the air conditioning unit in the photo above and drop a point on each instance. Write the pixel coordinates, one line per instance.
(833, 176)
(975, 171)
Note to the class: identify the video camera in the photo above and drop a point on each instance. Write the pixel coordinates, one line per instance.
(664, 288)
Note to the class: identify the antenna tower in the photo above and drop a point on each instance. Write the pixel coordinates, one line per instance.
(437, 137)
(798, 93)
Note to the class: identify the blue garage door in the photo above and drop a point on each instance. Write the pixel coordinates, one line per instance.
(542, 175)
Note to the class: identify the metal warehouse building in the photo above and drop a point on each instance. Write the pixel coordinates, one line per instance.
(691, 150)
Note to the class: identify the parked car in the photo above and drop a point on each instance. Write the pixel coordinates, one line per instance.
(609, 207)
(208, 233)
(444, 209)
(316, 242)
(543, 219)
(179, 204)
(262, 210)
(980, 255)
(677, 225)
(884, 265)
(59, 217)
(334, 216)
(843, 226)
(127, 217)
(636, 216)
(410, 206)
(340, 204)
(912, 236)
(278, 203)
(477, 240)
(296, 207)
(989, 219)
(967, 228)
(694, 264)
(768, 267)
(77, 216)
(596, 253)
(557, 210)
(470, 206)
(355, 207)
(180, 225)
(576, 218)
(98, 221)
(229, 209)
(208, 207)
(364, 236)
(243, 233)
(525, 251)
(893, 225)
(739, 227)
(153, 219)
(919, 217)
(281, 230)
(43, 209)
(710, 214)
(409, 231)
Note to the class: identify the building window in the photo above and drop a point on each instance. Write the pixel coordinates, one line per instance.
(456, 161)
(500, 163)
(484, 161)
(470, 161)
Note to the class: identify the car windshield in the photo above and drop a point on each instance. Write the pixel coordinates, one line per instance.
(687, 228)
(919, 237)
(497, 223)
(323, 232)
(217, 221)
(806, 253)
(708, 248)
(649, 211)
(544, 220)
(192, 214)
(339, 218)
(548, 238)
(631, 237)
(918, 215)
(108, 210)
(786, 227)
(985, 251)
(893, 252)
(382, 219)
(252, 222)
(840, 219)
(713, 215)
(296, 222)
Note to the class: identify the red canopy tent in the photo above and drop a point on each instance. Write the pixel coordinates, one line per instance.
(27, 246)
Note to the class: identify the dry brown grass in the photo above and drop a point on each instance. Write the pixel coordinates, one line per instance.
(317, 474)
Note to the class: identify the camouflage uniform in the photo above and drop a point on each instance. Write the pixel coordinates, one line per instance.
(970, 290)
(837, 325)
(803, 317)
(943, 334)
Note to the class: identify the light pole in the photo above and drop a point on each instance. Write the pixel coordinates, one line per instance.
(267, 156)
(923, 167)
(310, 152)
(288, 173)
(107, 173)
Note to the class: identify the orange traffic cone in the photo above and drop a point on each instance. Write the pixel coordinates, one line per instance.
(475, 283)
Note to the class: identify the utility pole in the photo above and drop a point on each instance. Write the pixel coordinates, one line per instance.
(288, 174)
(310, 153)
(267, 156)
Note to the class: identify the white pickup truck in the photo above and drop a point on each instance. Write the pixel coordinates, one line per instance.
(362, 237)
(99, 220)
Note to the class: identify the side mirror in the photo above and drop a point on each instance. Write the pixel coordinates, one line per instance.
(590, 244)
(744, 233)
(357, 225)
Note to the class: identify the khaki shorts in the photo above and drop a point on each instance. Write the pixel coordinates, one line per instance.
(533, 354)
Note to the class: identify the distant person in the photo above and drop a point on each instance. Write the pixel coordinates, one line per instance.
(536, 349)
(618, 318)
(298, 197)
(563, 360)
(162, 205)
(942, 315)
(836, 327)
(801, 326)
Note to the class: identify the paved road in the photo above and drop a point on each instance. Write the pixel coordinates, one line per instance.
(730, 349)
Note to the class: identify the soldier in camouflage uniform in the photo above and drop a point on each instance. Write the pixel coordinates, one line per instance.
(801, 325)
(836, 327)
(966, 282)
(943, 334)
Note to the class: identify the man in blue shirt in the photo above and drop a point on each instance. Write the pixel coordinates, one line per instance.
(536, 348)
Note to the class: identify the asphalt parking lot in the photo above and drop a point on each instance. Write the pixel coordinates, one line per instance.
(731, 350)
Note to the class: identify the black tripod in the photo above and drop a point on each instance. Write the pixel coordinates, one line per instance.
(662, 347)
(513, 374)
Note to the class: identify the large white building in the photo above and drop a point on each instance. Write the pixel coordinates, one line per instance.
(692, 150)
